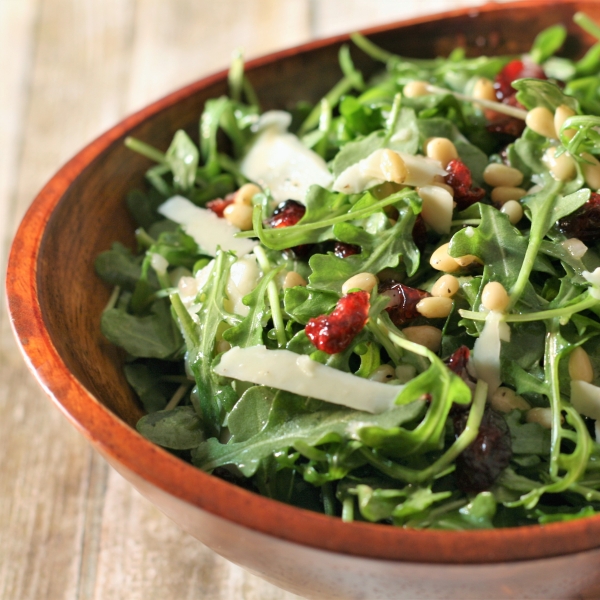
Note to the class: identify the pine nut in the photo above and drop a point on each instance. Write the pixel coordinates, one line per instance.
(541, 120)
(393, 167)
(484, 90)
(445, 287)
(239, 215)
(442, 261)
(416, 88)
(503, 194)
(562, 113)
(435, 307)
(424, 335)
(383, 374)
(505, 400)
(499, 175)
(580, 365)
(494, 296)
(562, 168)
(441, 149)
(468, 259)
(542, 416)
(436, 208)
(293, 279)
(591, 172)
(513, 210)
(362, 281)
(245, 194)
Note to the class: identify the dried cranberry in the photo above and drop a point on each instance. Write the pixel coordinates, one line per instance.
(479, 465)
(457, 362)
(288, 213)
(460, 180)
(584, 223)
(404, 299)
(516, 69)
(342, 250)
(218, 205)
(334, 333)
(419, 233)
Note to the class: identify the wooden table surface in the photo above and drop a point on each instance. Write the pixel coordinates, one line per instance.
(70, 527)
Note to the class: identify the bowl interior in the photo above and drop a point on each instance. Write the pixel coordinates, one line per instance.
(86, 209)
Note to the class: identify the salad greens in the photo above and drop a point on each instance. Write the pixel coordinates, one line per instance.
(420, 268)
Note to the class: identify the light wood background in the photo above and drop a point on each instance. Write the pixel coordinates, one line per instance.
(70, 527)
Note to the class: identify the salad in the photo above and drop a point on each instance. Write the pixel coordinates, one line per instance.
(385, 306)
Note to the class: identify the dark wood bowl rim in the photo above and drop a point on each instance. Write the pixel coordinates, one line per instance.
(123, 445)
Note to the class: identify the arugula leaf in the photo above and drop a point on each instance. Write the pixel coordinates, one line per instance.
(547, 42)
(250, 331)
(178, 429)
(302, 304)
(538, 92)
(380, 251)
(146, 379)
(151, 336)
(182, 157)
(527, 438)
(118, 266)
(328, 424)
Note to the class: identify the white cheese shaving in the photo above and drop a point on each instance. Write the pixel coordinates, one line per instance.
(585, 398)
(594, 279)
(575, 247)
(243, 278)
(299, 374)
(278, 160)
(367, 173)
(486, 351)
(159, 263)
(207, 229)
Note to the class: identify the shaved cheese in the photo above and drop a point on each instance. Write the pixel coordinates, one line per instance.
(368, 173)
(438, 205)
(243, 278)
(585, 398)
(208, 230)
(486, 351)
(278, 160)
(285, 370)
(594, 279)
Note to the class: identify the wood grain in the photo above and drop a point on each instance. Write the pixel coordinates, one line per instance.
(70, 527)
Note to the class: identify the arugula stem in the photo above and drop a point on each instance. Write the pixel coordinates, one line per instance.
(333, 96)
(178, 395)
(348, 509)
(187, 323)
(393, 118)
(328, 499)
(273, 295)
(368, 47)
(551, 360)
(113, 298)
(145, 149)
(588, 493)
(587, 24)
(542, 315)
(536, 237)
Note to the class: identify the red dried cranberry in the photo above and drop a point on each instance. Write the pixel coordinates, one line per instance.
(516, 69)
(334, 333)
(460, 180)
(457, 362)
(584, 223)
(480, 464)
(218, 205)
(288, 213)
(404, 299)
(419, 233)
(342, 250)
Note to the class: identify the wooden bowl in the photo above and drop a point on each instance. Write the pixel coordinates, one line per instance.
(55, 300)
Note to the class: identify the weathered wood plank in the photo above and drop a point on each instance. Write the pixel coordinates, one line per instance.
(177, 42)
